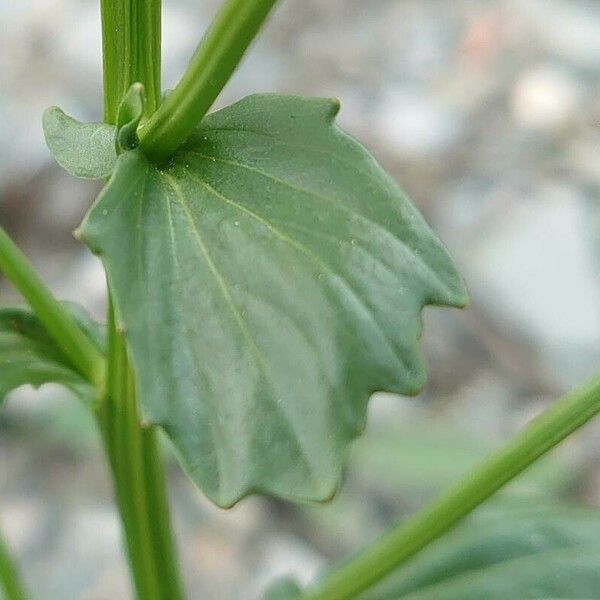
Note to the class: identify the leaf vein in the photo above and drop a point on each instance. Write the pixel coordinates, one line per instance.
(332, 200)
(304, 451)
(315, 257)
(221, 282)
(213, 423)
(329, 153)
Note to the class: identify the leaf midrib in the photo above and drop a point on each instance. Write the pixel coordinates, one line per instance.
(224, 288)
(213, 423)
(180, 199)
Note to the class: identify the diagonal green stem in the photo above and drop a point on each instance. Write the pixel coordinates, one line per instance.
(212, 65)
(396, 547)
(81, 352)
(10, 580)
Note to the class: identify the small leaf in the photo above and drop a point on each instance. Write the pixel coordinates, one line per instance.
(129, 116)
(83, 149)
(29, 356)
(542, 554)
(268, 280)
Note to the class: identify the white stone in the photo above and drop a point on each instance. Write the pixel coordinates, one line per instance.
(415, 124)
(535, 270)
(545, 97)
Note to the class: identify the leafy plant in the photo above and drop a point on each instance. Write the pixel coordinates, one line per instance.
(265, 276)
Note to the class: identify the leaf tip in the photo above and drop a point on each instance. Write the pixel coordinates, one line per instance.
(457, 294)
(137, 88)
(333, 108)
(464, 298)
(50, 114)
(330, 494)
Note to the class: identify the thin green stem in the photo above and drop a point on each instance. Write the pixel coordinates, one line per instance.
(568, 414)
(106, 415)
(81, 352)
(10, 581)
(131, 52)
(114, 416)
(139, 480)
(212, 65)
(157, 507)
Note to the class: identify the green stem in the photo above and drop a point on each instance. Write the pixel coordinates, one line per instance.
(568, 414)
(10, 580)
(139, 480)
(158, 510)
(212, 65)
(81, 352)
(130, 51)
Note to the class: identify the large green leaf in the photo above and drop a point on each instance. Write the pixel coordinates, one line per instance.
(29, 356)
(268, 280)
(552, 553)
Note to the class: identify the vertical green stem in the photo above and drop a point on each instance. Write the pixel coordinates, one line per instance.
(10, 581)
(139, 480)
(158, 509)
(131, 53)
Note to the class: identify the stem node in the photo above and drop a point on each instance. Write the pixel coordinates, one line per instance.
(212, 65)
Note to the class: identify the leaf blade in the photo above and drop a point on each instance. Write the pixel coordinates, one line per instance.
(85, 150)
(29, 356)
(264, 303)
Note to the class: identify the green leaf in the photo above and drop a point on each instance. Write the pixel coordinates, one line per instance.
(129, 116)
(90, 150)
(29, 356)
(83, 149)
(268, 280)
(553, 553)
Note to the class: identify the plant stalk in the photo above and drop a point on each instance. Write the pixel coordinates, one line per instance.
(80, 351)
(139, 480)
(10, 580)
(396, 547)
(131, 53)
(131, 31)
(217, 56)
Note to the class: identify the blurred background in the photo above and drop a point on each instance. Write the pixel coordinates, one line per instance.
(487, 113)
